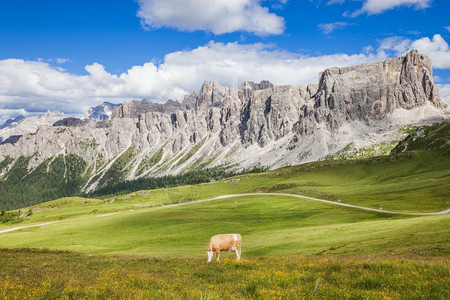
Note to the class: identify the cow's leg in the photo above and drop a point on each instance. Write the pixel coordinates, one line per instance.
(210, 255)
(218, 255)
(238, 252)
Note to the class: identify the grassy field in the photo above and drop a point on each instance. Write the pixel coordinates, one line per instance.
(38, 274)
(270, 225)
(136, 246)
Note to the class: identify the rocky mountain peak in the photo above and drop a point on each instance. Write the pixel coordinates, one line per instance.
(101, 112)
(211, 94)
(248, 87)
(373, 91)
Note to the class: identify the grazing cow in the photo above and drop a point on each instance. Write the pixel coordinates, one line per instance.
(224, 242)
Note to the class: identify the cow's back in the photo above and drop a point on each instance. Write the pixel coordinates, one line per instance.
(225, 241)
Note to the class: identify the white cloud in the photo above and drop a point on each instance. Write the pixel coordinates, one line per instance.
(59, 60)
(395, 43)
(444, 91)
(373, 7)
(335, 1)
(436, 48)
(447, 28)
(368, 49)
(328, 28)
(437, 78)
(38, 86)
(218, 16)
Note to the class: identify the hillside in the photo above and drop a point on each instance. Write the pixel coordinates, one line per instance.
(411, 181)
(383, 178)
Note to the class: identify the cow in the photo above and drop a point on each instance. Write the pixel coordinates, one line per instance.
(224, 242)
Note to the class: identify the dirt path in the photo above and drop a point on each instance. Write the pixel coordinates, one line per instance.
(264, 194)
(314, 199)
(22, 227)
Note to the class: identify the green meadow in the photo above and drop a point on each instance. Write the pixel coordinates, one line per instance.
(140, 246)
(270, 225)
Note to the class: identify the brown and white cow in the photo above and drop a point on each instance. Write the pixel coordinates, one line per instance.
(224, 242)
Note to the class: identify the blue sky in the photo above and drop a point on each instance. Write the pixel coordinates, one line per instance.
(70, 55)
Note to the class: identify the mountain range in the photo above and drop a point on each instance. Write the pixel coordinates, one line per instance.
(350, 109)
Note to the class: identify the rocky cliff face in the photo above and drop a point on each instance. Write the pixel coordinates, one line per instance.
(135, 108)
(372, 91)
(257, 124)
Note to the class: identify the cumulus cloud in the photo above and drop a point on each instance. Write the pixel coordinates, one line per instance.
(328, 28)
(436, 48)
(218, 16)
(373, 7)
(38, 86)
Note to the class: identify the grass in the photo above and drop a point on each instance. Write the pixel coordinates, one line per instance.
(191, 152)
(350, 152)
(270, 226)
(43, 274)
(116, 171)
(147, 163)
(416, 182)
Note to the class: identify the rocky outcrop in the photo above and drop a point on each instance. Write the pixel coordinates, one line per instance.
(257, 124)
(135, 108)
(70, 122)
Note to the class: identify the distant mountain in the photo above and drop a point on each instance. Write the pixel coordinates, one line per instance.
(21, 125)
(12, 122)
(101, 112)
(359, 108)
